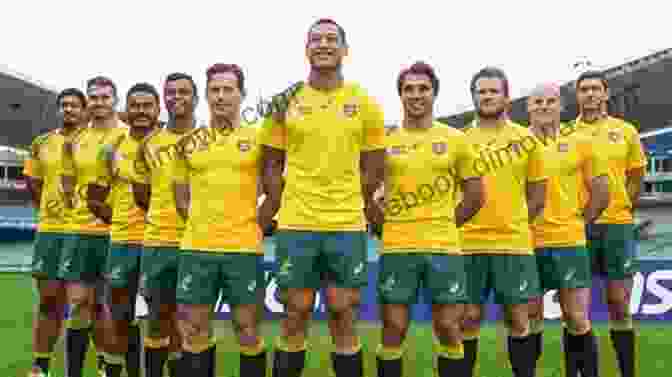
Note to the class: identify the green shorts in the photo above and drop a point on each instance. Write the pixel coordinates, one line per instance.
(123, 266)
(47, 255)
(204, 275)
(513, 278)
(564, 267)
(84, 257)
(158, 273)
(612, 249)
(442, 275)
(307, 259)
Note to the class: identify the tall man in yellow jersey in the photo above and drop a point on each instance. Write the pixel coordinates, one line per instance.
(43, 170)
(611, 237)
(116, 174)
(216, 191)
(497, 241)
(427, 163)
(559, 238)
(85, 251)
(164, 227)
(332, 138)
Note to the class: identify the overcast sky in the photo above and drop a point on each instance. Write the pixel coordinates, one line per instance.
(62, 43)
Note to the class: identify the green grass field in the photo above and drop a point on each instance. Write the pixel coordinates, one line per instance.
(15, 354)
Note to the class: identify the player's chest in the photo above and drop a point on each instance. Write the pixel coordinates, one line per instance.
(561, 158)
(124, 160)
(504, 153)
(51, 154)
(611, 143)
(325, 117)
(231, 153)
(415, 154)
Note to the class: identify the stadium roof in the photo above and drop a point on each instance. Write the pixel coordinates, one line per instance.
(639, 93)
(27, 107)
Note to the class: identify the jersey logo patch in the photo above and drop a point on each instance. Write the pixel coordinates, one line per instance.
(350, 110)
(563, 147)
(244, 145)
(614, 136)
(439, 148)
(394, 150)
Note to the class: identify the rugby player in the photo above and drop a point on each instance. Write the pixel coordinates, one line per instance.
(116, 173)
(42, 170)
(497, 240)
(421, 242)
(153, 192)
(216, 192)
(611, 238)
(559, 238)
(85, 251)
(332, 137)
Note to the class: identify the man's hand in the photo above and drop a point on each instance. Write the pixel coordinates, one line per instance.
(374, 214)
(265, 214)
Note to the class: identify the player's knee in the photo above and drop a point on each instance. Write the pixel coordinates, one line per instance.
(447, 327)
(196, 334)
(299, 302)
(577, 322)
(50, 309)
(338, 300)
(536, 309)
(395, 327)
(472, 317)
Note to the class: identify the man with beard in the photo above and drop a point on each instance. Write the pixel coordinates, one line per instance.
(216, 191)
(611, 237)
(43, 172)
(497, 241)
(164, 227)
(559, 239)
(332, 137)
(85, 251)
(116, 173)
(421, 243)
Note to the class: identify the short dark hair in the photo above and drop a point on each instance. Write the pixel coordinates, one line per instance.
(419, 68)
(590, 75)
(223, 68)
(143, 87)
(74, 92)
(341, 31)
(183, 76)
(490, 73)
(102, 81)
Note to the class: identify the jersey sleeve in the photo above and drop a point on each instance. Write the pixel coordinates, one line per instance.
(273, 134)
(373, 120)
(636, 153)
(536, 166)
(466, 159)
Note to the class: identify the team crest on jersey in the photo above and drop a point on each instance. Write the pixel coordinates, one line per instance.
(350, 110)
(439, 148)
(614, 136)
(563, 147)
(244, 145)
(394, 150)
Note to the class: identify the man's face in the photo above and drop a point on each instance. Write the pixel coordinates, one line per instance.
(325, 48)
(142, 110)
(544, 107)
(591, 94)
(101, 101)
(72, 109)
(490, 97)
(224, 96)
(417, 95)
(179, 97)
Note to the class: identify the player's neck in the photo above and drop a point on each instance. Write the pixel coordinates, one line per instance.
(421, 123)
(549, 130)
(68, 129)
(592, 116)
(490, 122)
(222, 122)
(103, 124)
(183, 124)
(325, 80)
(139, 133)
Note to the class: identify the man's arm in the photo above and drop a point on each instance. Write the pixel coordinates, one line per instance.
(598, 198)
(182, 192)
(95, 200)
(473, 199)
(536, 199)
(141, 194)
(634, 181)
(35, 189)
(272, 183)
(372, 166)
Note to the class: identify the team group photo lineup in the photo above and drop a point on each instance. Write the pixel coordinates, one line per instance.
(177, 212)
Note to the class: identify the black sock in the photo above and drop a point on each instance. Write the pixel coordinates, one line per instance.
(113, 370)
(390, 368)
(571, 357)
(198, 364)
(583, 349)
(174, 366)
(538, 344)
(133, 354)
(624, 343)
(452, 367)
(77, 344)
(470, 354)
(288, 364)
(521, 356)
(42, 363)
(253, 366)
(155, 358)
(348, 365)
